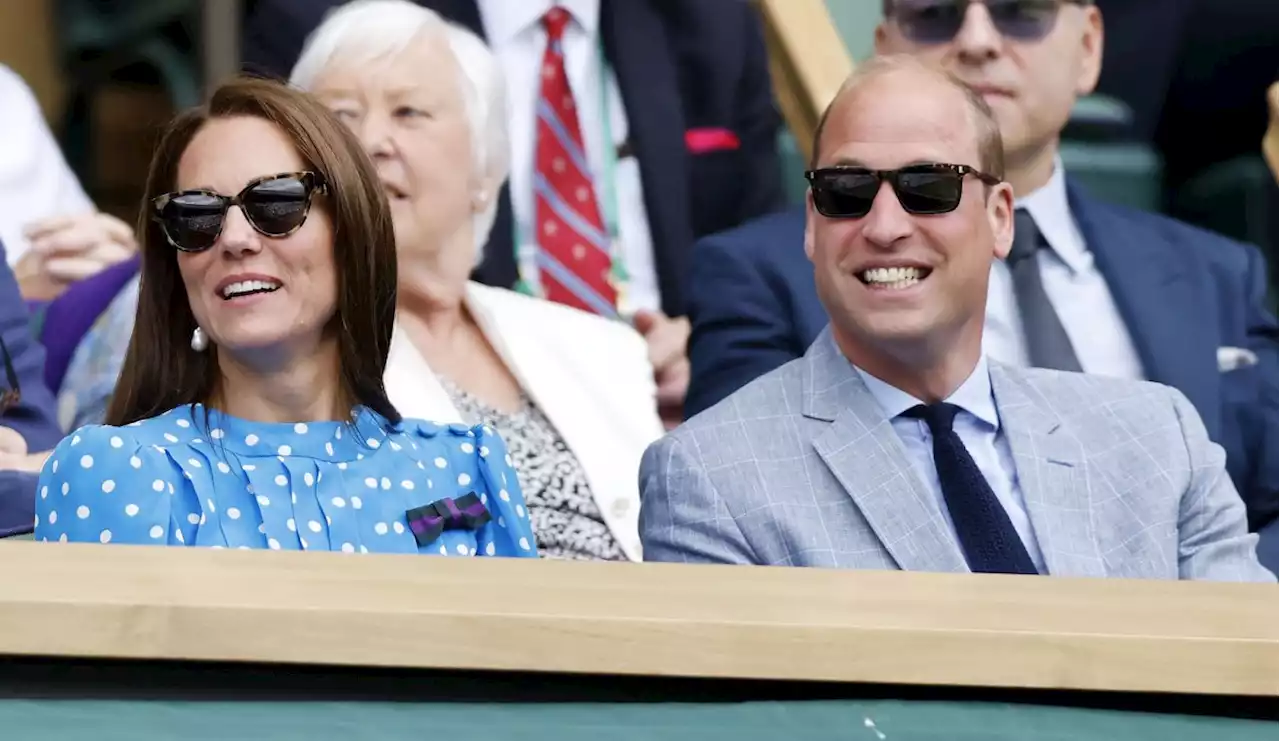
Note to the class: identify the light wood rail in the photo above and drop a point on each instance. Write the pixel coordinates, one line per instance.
(132, 602)
(808, 62)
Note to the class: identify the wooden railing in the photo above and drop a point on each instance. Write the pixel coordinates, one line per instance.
(808, 62)
(658, 620)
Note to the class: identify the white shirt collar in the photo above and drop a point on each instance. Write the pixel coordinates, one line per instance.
(1049, 206)
(973, 396)
(504, 20)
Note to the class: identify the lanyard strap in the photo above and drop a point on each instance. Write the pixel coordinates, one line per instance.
(609, 201)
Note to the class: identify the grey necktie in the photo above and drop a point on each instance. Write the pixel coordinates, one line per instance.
(1048, 345)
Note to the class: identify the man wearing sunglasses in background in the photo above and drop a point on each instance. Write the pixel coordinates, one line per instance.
(894, 443)
(27, 419)
(1087, 286)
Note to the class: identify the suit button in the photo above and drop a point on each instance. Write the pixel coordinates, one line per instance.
(621, 507)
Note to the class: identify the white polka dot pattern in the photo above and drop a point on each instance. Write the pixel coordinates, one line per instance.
(150, 483)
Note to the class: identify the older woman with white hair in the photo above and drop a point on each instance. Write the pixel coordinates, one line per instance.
(571, 393)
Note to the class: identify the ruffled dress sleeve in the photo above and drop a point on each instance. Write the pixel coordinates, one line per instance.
(101, 485)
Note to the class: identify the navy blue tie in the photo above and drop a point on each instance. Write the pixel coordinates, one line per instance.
(987, 537)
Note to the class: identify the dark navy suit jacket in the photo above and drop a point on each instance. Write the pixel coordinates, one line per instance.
(681, 65)
(34, 416)
(1182, 292)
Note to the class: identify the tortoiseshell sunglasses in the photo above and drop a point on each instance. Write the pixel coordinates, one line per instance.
(275, 206)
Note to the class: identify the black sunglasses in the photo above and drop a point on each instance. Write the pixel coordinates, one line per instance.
(275, 206)
(938, 21)
(848, 192)
(10, 397)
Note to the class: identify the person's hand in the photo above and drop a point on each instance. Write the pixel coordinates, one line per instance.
(1271, 141)
(11, 443)
(14, 455)
(668, 341)
(65, 249)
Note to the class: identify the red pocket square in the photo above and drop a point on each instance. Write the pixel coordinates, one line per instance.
(701, 141)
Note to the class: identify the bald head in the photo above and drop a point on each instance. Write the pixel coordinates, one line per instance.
(880, 79)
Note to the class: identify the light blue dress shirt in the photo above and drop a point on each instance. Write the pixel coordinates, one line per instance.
(978, 425)
(1076, 288)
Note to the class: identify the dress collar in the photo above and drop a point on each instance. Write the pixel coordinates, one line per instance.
(326, 440)
(973, 396)
(504, 20)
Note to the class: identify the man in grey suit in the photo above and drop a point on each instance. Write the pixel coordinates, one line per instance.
(894, 443)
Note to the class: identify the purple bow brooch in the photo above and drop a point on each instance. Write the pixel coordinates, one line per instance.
(429, 521)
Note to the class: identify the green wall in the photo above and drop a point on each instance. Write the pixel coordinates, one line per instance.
(856, 21)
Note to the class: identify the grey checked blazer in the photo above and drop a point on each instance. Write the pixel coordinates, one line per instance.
(802, 468)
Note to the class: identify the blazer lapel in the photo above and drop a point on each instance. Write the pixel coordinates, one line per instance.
(413, 387)
(530, 353)
(636, 45)
(865, 455)
(522, 355)
(1051, 473)
(1157, 299)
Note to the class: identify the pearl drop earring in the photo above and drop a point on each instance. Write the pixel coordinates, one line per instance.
(199, 340)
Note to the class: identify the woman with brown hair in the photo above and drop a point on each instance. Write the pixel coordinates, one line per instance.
(251, 411)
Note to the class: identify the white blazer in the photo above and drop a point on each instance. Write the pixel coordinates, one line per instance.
(591, 376)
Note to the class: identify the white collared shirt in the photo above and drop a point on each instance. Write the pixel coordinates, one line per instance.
(1077, 290)
(978, 426)
(35, 181)
(516, 35)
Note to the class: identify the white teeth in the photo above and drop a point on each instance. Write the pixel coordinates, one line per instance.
(249, 286)
(892, 276)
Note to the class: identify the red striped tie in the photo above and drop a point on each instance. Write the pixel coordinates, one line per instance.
(573, 255)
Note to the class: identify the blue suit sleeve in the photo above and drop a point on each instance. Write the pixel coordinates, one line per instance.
(1261, 420)
(740, 327)
(101, 486)
(34, 417)
(17, 502)
(1264, 330)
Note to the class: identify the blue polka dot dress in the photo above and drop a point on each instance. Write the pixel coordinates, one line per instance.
(194, 476)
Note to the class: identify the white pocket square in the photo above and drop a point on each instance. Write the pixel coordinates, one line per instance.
(1234, 358)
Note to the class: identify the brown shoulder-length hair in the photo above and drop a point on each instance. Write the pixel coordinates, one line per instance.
(161, 371)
